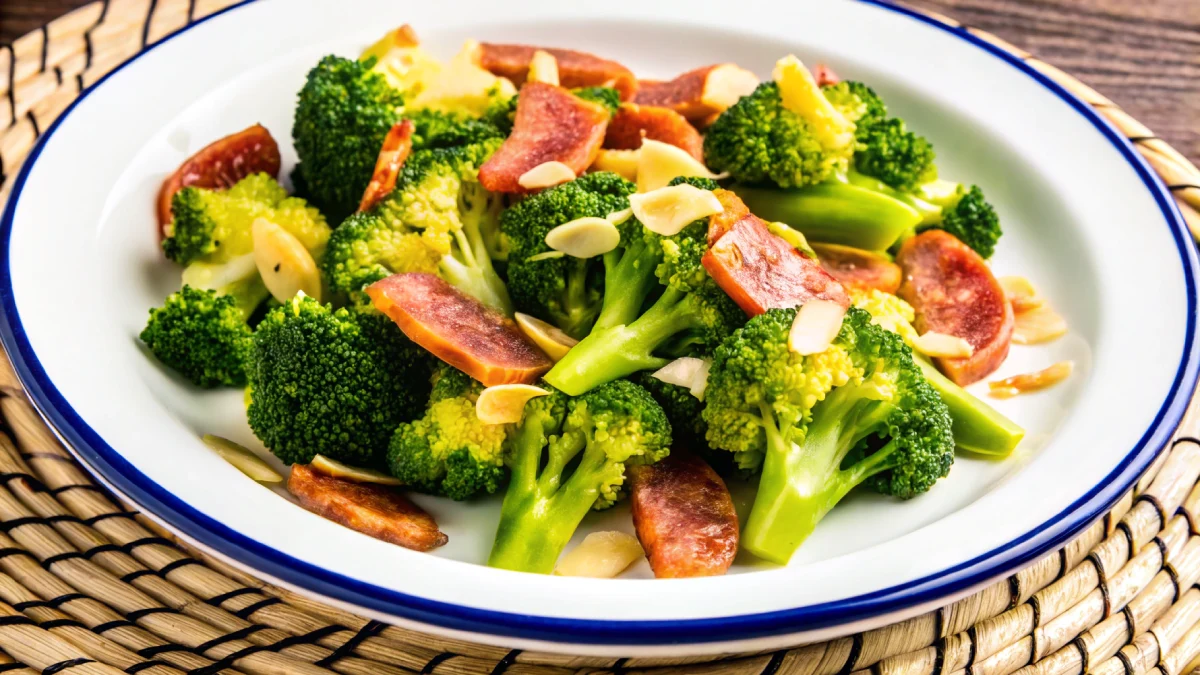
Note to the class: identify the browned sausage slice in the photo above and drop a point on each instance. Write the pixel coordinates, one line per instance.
(375, 510)
(396, 147)
(860, 268)
(459, 329)
(575, 68)
(700, 94)
(634, 122)
(684, 517)
(953, 291)
(551, 125)
(760, 270)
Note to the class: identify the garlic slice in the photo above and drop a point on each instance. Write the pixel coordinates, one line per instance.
(659, 163)
(543, 67)
(601, 555)
(546, 336)
(286, 267)
(545, 255)
(618, 217)
(668, 210)
(242, 459)
(334, 468)
(1027, 382)
(688, 372)
(505, 403)
(802, 95)
(1021, 293)
(546, 174)
(942, 345)
(725, 84)
(624, 163)
(584, 237)
(1037, 326)
(816, 325)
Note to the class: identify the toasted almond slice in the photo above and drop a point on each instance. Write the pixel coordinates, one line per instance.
(668, 210)
(659, 163)
(543, 67)
(584, 237)
(816, 325)
(547, 337)
(286, 267)
(624, 163)
(1027, 382)
(242, 459)
(725, 84)
(942, 345)
(1023, 296)
(546, 174)
(334, 468)
(601, 555)
(688, 372)
(1039, 325)
(618, 217)
(545, 255)
(504, 403)
(800, 94)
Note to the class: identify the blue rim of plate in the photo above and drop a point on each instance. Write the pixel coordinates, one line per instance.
(956, 580)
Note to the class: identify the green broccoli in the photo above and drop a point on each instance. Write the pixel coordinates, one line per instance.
(691, 315)
(859, 413)
(343, 113)
(566, 291)
(683, 411)
(605, 96)
(438, 129)
(202, 335)
(759, 141)
(884, 147)
(596, 434)
(335, 383)
(964, 213)
(449, 451)
(438, 220)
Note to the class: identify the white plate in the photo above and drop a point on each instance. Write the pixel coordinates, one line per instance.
(1084, 218)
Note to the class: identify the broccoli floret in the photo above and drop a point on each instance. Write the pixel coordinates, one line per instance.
(343, 113)
(335, 383)
(858, 102)
(438, 219)
(696, 182)
(978, 427)
(605, 96)
(449, 451)
(566, 291)
(501, 113)
(967, 215)
(596, 435)
(202, 335)
(683, 411)
(884, 147)
(437, 129)
(759, 141)
(859, 413)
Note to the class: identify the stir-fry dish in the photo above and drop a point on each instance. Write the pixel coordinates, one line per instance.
(528, 271)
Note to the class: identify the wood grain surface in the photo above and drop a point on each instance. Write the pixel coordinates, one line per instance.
(1143, 54)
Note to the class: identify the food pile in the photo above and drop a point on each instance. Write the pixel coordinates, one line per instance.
(526, 270)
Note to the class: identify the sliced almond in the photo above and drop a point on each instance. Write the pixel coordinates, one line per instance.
(543, 67)
(1038, 325)
(668, 210)
(546, 174)
(800, 93)
(659, 163)
(242, 459)
(624, 163)
(504, 403)
(1020, 384)
(286, 267)
(334, 468)
(816, 325)
(601, 555)
(546, 336)
(618, 217)
(725, 84)
(1021, 293)
(584, 237)
(943, 345)
(688, 372)
(545, 255)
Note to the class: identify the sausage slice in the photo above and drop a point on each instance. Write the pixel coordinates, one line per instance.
(684, 517)
(857, 267)
(396, 147)
(701, 94)
(953, 291)
(375, 510)
(575, 68)
(459, 329)
(634, 122)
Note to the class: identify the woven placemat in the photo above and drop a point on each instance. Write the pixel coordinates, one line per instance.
(91, 586)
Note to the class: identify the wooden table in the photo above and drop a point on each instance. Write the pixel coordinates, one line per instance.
(1143, 54)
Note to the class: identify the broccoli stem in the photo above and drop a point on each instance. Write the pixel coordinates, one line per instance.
(578, 311)
(978, 427)
(540, 515)
(800, 483)
(469, 268)
(610, 353)
(834, 212)
(628, 279)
